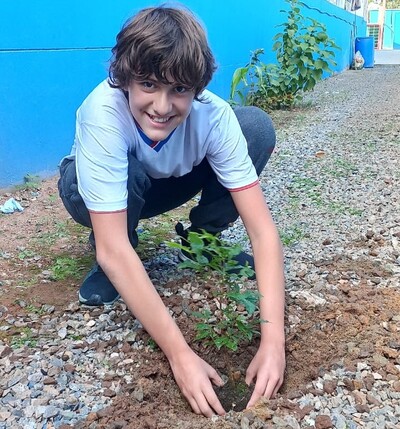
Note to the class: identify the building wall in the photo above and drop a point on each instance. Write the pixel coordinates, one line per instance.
(52, 53)
(391, 27)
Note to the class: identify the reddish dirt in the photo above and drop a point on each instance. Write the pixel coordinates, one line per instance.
(353, 324)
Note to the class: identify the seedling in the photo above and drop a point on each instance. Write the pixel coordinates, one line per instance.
(232, 317)
(225, 326)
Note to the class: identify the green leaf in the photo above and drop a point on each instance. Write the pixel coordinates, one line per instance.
(249, 299)
(174, 245)
(226, 342)
(277, 45)
(239, 76)
(190, 264)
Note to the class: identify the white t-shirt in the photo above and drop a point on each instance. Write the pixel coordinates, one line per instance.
(106, 132)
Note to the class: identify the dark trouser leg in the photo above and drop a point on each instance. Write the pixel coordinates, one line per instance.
(68, 190)
(160, 195)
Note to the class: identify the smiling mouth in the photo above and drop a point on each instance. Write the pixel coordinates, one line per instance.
(159, 120)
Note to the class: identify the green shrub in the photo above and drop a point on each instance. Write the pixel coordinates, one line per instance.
(304, 52)
(227, 327)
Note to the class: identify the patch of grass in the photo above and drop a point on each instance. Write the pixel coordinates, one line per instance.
(370, 146)
(354, 212)
(30, 308)
(345, 166)
(75, 337)
(333, 135)
(296, 115)
(280, 156)
(304, 184)
(302, 188)
(65, 267)
(151, 234)
(341, 168)
(78, 232)
(31, 182)
(27, 283)
(24, 337)
(53, 198)
(369, 172)
(292, 235)
(293, 204)
(63, 229)
(27, 187)
(151, 344)
(26, 254)
(48, 238)
(343, 208)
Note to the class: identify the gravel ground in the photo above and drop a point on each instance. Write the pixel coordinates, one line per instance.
(333, 180)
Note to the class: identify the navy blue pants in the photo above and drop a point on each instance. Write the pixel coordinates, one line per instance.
(148, 197)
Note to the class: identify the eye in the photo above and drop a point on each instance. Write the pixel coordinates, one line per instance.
(180, 89)
(147, 84)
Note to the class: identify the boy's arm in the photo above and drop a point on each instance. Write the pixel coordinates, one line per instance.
(268, 366)
(123, 267)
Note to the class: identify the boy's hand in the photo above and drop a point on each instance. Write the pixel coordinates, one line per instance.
(193, 375)
(267, 368)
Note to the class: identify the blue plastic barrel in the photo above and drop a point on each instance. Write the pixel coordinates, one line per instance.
(366, 47)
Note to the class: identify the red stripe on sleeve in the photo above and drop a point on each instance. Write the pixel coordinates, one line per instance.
(242, 188)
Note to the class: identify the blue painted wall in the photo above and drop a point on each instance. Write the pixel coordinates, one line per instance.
(53, 53)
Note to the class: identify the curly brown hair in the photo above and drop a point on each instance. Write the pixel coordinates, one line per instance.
(166, 42)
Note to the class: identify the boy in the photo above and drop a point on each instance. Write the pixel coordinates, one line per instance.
(147, 140)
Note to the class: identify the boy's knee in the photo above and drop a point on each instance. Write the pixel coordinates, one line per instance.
(258, 129)
(256, 124)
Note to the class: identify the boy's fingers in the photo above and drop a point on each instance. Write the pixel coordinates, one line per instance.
(211, 396)
(204, 406)
(216, 379)
(258, 391)
(193, 404)
(253, 399)
(208, 404)
(217, 407)
(268, 391)
(250, 376)
(213, 400)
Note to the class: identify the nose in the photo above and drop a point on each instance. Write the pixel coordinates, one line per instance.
(162, 104)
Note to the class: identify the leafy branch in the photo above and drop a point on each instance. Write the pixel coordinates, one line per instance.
(304, 52)
(226, 326)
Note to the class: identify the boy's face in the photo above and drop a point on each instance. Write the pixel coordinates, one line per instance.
(159, 108)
